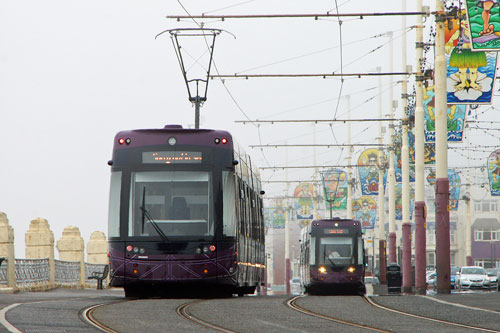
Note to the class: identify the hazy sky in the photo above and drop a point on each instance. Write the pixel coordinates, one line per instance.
(73, 73)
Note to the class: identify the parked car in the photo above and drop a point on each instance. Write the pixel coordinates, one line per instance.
(472, 277)
(431, 279)
(453, 276)
(493, 274)
(372, 279)
(295, 287)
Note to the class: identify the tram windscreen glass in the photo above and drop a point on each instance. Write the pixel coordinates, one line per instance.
(336, 231)
(172, 157)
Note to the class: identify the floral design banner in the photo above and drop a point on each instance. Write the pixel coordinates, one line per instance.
(304, 205)
(470, 76)
(335, 188)
(368, 166)
(365, 209)
(484, 22)
(494, 172)
(456, 118)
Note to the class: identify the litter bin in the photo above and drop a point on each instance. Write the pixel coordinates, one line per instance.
(394, 278)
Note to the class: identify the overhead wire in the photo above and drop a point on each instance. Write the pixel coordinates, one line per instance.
(230, 6)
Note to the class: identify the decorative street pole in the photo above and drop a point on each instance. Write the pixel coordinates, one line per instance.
(381, 209)
(442, 182)
(420, 209)
(405, 157)
(391, 173)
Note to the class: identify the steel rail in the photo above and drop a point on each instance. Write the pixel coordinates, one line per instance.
(292, 304)
(370, 301)
(183, 311)
(88, 316)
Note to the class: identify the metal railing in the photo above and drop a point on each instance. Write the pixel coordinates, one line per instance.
(34, 274)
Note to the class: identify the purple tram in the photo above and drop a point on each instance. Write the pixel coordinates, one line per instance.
(185, 210)
(332, 258)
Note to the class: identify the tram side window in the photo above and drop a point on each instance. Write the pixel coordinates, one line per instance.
(114, 205)
(242, 207)
(312, 253)
(229, 204)
(360, 251)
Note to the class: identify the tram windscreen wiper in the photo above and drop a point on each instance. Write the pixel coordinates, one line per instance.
(145, 214)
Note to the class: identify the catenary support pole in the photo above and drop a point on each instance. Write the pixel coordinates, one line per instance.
(405, 157)
(442, 182)
(468, 233)
(287, 232)
(349, 160)
(381, 210)
(391, 176)
(420, 209)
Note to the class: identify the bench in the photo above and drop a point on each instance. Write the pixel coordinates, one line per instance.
(100, 276)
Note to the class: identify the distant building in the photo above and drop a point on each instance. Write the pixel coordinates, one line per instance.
(485, 242)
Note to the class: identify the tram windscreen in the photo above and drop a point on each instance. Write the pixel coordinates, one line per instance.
(179, 202)
(336, 251)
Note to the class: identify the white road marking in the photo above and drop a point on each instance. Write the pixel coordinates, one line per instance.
(460, 305)
(4, 321)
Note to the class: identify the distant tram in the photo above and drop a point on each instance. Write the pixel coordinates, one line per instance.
(185, 210)
(332, 257)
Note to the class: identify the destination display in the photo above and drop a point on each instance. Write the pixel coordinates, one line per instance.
(337, 231)
(172, 157)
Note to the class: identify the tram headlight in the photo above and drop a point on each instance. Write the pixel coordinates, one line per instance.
(322, 269)
(351, 269)
(198, 250)
(141, 250)
(205, 249)
(136, 249)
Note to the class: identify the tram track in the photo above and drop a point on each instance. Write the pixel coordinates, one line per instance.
(183, 311)
(292, 304)
(88, 317)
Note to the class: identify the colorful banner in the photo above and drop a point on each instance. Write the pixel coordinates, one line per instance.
(456, 118)
(278, 217)
(429, 151)
(494, 172)
(335, 189)
(454, 183)
(484, 22)
(368, 166)
(304, 205)
(365, 211)
(399, 202)
(470, 75)
(398, 167)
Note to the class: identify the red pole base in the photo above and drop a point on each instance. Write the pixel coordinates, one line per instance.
(420, 251)
(392, 248)
(382, 262)
(443, 236)
(407, 288)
